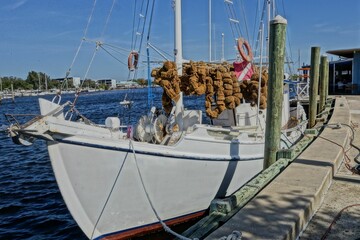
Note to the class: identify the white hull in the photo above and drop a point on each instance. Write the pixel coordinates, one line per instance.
(99, 168)
(176, 186)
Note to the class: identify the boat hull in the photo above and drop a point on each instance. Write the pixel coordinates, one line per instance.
(102, 186)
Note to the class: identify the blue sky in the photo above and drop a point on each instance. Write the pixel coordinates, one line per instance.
(43, 35)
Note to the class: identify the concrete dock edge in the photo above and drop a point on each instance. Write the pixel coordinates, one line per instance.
(284, 207)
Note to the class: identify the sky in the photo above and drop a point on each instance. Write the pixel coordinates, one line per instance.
(44, 35)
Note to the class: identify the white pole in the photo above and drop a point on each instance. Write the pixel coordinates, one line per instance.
(273, 9)
(46, 85)
(210, 31)
(334, 76)
(222, 48)
(268, 29)
(39, 83)
(178, 37)
(260, 71)
(179, 60)
(215, 45)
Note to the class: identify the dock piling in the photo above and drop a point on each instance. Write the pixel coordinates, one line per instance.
(314, 84)
(322, 100)
(275, 89)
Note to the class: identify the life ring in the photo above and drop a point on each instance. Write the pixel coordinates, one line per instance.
(133, 60)
(240, 43)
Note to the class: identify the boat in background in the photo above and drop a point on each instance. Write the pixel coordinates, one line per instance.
(126, 103)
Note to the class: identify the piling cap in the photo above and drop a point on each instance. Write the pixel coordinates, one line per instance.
(278, 19)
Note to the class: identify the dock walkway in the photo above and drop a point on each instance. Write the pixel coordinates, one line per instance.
(307, 196)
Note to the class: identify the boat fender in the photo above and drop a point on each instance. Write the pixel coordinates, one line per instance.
(133, 60)
(113, 123)
(241, 43)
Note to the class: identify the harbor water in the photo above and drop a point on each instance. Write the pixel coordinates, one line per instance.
(31, 206)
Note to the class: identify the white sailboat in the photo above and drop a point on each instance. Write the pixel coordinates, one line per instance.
(126, 103)
(117, 182)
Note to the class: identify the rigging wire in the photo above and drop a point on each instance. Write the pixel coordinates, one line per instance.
(166, 228)
(108, 18)
(87, 71)
(80, 45)
(261, 22)
(234, 23)
(288, 50)
(116, 47)
(255, 21)
(110, 193)
(242, 6)
(137, 32)
(133, 26)
(141, 16)
(140, 33)
(117, 59)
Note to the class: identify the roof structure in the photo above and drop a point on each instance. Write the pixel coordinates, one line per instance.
(347, 53)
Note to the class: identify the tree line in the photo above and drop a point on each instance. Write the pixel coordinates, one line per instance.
(41, 81)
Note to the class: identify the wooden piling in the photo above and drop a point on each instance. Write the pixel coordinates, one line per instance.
(314, 84)
(326, 81)
(275, 89)
(322, 100)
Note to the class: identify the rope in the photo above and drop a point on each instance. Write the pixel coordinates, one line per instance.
(166, 228)
(108, 197)
(346, 157)
(337, 217)
(235, 235)
(356, 159)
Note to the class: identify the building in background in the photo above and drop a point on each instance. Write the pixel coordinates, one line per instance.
(110, 83)
(344, 74)
(75, 80)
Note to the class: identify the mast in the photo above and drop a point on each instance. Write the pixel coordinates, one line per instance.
(222, 48)
(268, 28)
(209, 30)
(46, 85)
(179, 106)
(178, 37)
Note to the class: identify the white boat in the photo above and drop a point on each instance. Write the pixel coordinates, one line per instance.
(126, 103)
(119, 182)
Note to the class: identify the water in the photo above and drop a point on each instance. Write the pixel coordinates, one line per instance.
(31, 206)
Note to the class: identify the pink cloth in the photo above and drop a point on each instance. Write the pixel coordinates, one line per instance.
(243, 70)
